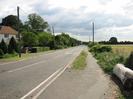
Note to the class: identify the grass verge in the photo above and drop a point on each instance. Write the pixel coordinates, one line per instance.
(15, 57)
(80, 62)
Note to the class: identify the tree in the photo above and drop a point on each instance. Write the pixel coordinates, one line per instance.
(44, 39)
(29, 39)
(13, 46)
(113, 40)
(3, 46)
(12, 21)
(36, 23)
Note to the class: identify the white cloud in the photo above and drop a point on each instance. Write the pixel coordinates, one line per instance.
(112, 17)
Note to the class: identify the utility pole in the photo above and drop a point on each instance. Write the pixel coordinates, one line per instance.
(53, 36)
(93, 32)
(19, 38)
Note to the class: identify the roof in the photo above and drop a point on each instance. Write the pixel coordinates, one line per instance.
(7, 30)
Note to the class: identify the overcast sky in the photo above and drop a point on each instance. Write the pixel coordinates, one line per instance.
(111, 17)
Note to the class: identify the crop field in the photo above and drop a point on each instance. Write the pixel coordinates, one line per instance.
(123, 50)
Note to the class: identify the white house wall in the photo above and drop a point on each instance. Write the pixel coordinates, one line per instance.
(6, 39)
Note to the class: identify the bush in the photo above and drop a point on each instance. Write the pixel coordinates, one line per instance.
(1, 53)
(129, 61)
(13, 46)
(108, 60)
(91, 44)
(99, 49)
(3, 46)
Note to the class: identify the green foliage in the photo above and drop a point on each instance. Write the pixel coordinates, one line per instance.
(91, 44)
(3, 46)
(129, 61)
(64, 40)
(13, 46)
(45, 39)
(36, 23)
(80, 62)
(29, 39)
(41, 49)
(106, 58)
(1, 53)
(12, 21)
(99, 48)
(113, 40)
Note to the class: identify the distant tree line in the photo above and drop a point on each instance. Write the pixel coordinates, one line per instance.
(113, 40)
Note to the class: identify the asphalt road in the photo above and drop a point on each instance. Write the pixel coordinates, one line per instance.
(24, 79)
(90, 83)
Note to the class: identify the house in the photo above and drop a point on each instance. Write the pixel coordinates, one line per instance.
(6, 33)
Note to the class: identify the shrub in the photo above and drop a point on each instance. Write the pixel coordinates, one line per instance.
(13, 46)
(91, 44)
(99, 48)
(108, 60)
(1, 53)
(129, 61)
(3, 46)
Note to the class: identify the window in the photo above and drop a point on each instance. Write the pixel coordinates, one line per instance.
(6, 35)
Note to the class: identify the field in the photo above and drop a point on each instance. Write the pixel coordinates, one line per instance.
(123, 50)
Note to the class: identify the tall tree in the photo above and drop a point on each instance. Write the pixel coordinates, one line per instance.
(37, 23)
(12, 21)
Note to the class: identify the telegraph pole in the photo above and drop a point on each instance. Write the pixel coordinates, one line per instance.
(53, 36)
(19, 38)
(93, 32)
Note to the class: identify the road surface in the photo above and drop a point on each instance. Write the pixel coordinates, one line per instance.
(90, 83)
(25, 79)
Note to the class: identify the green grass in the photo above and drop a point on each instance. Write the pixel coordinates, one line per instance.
(15, 57)
(80, 62)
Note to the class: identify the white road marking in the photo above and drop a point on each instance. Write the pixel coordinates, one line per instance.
(42, 90)
(58, 72)
(29, 93)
